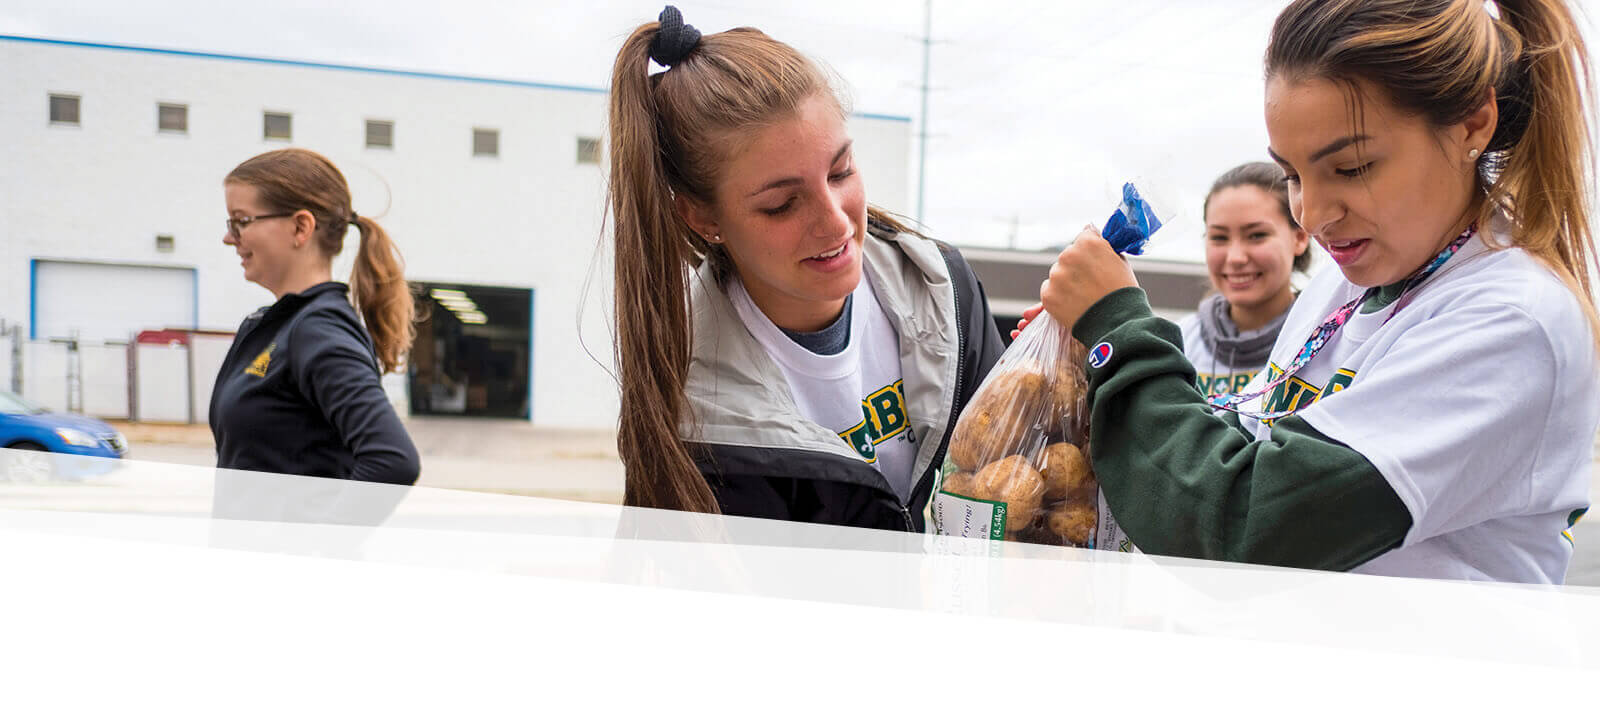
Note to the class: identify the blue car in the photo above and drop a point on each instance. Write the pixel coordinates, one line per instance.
(24, 426)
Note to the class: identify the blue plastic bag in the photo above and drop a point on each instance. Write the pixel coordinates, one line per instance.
(1133, 223)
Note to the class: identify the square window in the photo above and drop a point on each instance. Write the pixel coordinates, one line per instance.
(485, 142)
(588, 150)
(380, 133)
(276, 125)
(63, 109)
(172, 118)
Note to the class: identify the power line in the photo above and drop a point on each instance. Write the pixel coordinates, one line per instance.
(922, 156)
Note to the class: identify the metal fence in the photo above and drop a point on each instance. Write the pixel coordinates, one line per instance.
(166, 379)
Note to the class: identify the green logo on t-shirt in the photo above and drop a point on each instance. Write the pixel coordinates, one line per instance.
(1212, 384)
(883, 417)
(1572, 520)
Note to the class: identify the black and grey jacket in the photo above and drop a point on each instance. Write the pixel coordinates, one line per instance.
(763, 459)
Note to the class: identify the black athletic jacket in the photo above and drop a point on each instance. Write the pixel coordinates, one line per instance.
(763, 459)
(299, 393)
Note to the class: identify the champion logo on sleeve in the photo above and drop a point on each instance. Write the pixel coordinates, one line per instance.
(1100, 355)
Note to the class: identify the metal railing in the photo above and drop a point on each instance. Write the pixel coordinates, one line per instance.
(168, 380)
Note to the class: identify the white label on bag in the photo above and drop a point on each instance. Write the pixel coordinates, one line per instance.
(962, 517)
(1108, 535)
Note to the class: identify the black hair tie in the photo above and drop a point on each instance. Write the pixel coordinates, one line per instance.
(674, 39)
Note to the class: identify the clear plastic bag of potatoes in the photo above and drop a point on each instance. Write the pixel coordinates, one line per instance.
(1017, 467)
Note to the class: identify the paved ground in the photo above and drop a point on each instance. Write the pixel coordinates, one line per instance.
(514, 457)
(483, 455)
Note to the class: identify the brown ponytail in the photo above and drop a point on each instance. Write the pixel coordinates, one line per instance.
(300, 179)
(378, 289)
(1441, 59)
(1539, 162)
(653, 246)
(668, 134)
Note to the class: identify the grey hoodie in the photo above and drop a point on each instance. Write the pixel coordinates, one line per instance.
(1224, 358)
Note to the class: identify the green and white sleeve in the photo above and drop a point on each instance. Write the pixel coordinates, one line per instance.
(1186, 482)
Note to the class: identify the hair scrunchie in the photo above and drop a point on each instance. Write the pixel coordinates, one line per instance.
(674, 39)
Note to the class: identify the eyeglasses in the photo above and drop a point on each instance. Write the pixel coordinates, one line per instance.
(240, 223)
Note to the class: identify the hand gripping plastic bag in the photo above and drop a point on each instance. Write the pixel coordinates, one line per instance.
(1017, 467)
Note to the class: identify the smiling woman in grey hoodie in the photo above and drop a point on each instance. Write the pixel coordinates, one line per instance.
(1253, 245)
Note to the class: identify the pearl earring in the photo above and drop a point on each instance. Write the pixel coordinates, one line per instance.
(1472, 154)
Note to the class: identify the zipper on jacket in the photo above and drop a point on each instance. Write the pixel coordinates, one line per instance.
(956, 403)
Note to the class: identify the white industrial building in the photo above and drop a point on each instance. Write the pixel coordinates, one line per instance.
(111, 221)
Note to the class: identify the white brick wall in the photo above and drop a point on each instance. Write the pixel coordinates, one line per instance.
(530, 218)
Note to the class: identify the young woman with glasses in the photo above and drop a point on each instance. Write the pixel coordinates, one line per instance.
(299, 392)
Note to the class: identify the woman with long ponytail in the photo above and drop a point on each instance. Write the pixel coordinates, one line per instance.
(1430, 406)
(785, 350)
(653, 336)
(299, 391)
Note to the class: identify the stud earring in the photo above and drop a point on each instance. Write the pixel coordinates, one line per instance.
(1472, 154)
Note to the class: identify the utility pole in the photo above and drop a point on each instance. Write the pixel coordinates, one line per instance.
(922, 136)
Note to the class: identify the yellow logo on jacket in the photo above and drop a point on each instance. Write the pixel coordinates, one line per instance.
(883, 417)
(259, 366)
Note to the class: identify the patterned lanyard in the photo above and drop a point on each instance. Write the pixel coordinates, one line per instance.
(1324, 332)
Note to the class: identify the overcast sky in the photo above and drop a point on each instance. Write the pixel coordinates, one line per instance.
(1040, 109)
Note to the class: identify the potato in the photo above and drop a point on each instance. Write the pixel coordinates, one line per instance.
(1019, 525)
(1074, 522)
(974, 434)
(1002, 418)
(1066, 471)
(1014, 482)
(959, 483)
(1035, 533)
(1009, 479)
(1066, 392)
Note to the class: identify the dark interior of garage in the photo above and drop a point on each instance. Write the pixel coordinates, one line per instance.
(471, 355)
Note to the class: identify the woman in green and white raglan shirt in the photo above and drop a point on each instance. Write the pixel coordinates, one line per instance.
(1253, 245)
(1444, 423)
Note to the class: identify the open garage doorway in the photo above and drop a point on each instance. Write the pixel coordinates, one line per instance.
(472, 353)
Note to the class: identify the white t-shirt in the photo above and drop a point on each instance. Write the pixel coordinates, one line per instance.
(858, 393)
(1478, 402)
